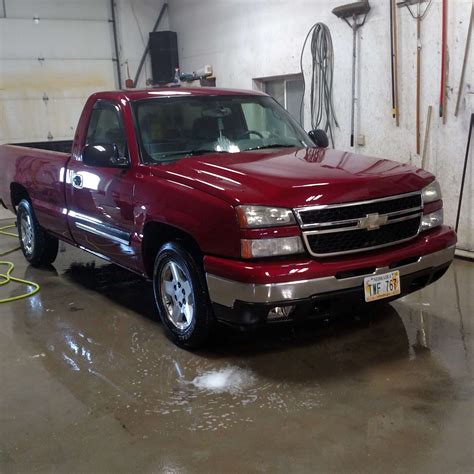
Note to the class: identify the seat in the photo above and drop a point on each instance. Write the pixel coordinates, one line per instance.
(206, 129)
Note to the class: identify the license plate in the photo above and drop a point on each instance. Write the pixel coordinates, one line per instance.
(382, 286)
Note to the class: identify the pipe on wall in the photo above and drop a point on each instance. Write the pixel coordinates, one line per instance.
(117, 55)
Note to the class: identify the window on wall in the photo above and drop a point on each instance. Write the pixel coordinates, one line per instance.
(287, 90)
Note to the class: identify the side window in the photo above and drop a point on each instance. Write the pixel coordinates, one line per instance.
(105, 126)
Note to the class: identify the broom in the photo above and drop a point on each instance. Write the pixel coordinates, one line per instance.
(353, 11)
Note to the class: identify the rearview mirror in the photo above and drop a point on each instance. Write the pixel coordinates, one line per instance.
(319, 137)
(104, 155)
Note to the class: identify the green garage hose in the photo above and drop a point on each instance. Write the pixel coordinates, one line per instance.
(7, 277)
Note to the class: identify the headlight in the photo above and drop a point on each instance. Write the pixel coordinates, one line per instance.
(261, 216)
(431, 220)
(431, 193)
(258, 248)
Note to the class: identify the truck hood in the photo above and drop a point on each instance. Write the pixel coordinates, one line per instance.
(294, 177)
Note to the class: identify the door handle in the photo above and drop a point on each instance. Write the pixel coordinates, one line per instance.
(77, 181)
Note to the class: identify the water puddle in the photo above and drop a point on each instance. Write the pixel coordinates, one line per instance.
(227, 380)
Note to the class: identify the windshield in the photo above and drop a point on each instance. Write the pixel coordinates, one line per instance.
(173, 128)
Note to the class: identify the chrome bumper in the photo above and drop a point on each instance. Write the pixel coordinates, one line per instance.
(226, 292)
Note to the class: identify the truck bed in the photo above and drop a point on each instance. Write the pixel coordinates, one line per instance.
(62, 146)
(38, 171)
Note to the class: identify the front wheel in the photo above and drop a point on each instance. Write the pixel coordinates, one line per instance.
(38, 247)
(181, 296)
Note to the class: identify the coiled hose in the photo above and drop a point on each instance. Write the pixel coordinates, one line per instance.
(7, 277)
(322, 53)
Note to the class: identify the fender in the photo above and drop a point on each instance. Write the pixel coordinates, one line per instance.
(210, 221)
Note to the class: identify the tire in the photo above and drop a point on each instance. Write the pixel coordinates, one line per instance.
(181, 297)
(38, 247)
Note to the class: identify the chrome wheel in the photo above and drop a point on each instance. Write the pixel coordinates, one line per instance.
(27, 233)
(177, 295)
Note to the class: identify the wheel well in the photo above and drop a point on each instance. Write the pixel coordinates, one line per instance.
(17, 193)
(157, 234)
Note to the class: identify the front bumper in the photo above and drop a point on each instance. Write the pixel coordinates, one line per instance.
(245, 314)
(227, 292)
(248, 302)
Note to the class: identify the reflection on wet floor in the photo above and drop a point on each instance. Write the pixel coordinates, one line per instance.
(90, 383)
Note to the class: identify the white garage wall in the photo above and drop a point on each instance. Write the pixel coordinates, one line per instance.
(246, 39)
(64, 56)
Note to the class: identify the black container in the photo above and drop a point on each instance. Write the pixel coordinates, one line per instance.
(164, 56)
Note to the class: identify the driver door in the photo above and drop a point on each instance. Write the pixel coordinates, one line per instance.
(100, 198)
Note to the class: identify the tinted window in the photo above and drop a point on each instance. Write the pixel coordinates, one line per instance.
(105, 126)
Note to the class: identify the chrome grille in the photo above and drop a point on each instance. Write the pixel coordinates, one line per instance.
(357, 210)
(360, 226)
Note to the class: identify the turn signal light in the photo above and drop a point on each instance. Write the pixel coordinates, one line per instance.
(258, 248)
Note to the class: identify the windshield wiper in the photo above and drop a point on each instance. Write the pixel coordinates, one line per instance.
(273, 145)
(199, 151)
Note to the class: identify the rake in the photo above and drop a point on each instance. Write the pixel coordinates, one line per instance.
(419, 16)
(357, 12)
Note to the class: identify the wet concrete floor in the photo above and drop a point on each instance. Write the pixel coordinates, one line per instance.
(89, 383)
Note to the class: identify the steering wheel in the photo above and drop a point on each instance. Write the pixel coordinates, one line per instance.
(249, 132)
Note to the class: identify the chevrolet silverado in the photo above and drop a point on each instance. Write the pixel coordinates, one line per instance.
(232, 210)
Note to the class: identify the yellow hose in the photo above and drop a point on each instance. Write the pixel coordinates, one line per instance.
(7, 277)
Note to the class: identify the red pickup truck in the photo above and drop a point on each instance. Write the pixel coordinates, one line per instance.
(229, 206)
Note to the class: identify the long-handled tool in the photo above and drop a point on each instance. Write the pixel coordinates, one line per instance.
(394, 61)
(418, 15)
(444, 69)
(466, 52)
(468, 150)
(353, 11)
(427, 136)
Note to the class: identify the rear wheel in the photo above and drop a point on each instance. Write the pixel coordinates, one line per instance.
(38, 247)
(181, 296)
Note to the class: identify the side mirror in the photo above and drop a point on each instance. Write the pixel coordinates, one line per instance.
(319, 137)
(104, 155)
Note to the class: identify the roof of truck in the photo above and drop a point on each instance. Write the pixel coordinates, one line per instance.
(137, 94)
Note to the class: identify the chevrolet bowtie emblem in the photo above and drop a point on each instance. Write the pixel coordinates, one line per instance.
(372, 221)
